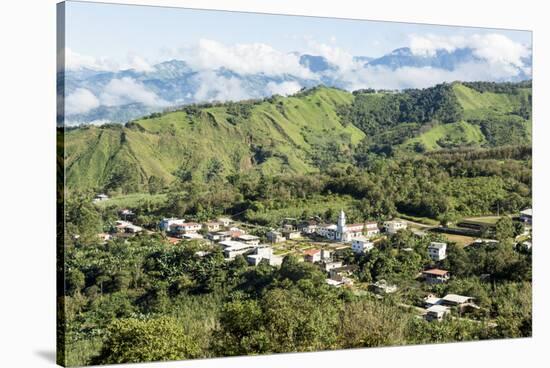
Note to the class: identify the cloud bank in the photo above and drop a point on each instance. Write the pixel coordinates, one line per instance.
(225, 72)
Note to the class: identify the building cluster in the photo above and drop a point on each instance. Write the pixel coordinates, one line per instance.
(232, 240)
(436, 309)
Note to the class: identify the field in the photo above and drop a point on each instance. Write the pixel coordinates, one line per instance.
(460, 240)
(459, 133)
(133, 200)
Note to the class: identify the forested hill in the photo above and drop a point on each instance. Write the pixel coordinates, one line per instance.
(307, 132)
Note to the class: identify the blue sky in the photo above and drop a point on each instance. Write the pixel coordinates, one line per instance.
(114, 31)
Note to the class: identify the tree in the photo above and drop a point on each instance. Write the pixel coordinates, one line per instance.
(504, 228)
(133, 341)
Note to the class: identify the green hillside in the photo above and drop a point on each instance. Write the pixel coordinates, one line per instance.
(304, 133)
(276, 135)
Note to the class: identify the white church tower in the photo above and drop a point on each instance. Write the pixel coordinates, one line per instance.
(341, 226)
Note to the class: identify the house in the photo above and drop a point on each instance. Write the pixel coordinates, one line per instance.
(289, 227)
(436, 276)
(526, 216)
(371, 229)
(436, 313)
(460, 301)
(334, 283)
(165, 223)
(219, 236)
(184, 228)
(101, 197)
(383, 287)
(264, 252)
(225, 221)
(431, 300)
(121, 225)
(104, 237)
(332, 265)
(248, 239)
(437, 251)
(132, 229)
(325, 254)
(212, 226)
(308, 227)
(232, 248)
(312, 255)
(291, 234)
(192, 236)
(393, 226)
(327, 231)
(274, 237)
(361, 245)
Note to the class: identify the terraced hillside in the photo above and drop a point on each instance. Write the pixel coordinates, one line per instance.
(289, 134)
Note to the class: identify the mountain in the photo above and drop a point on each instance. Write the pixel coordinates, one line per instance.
(295, 134)
(124, 95)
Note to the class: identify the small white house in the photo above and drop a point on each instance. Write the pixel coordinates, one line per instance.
(274, 236)
(393, 226)
(225, 221)
(232, 248)
(437, 251)
(383, 287)
(436, 312)
(165, 224)
(264, 252)
(526, 215)
(361, 245)
(249, 239)
(312, 255)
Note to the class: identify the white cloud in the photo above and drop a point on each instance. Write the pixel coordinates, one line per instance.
(97, 122)
(213, 87)
(137, 63)
(244, 59)
(80, 101)
(76, 61)
(494, 48)
(283, 89)
(334, 55)
(127, 90)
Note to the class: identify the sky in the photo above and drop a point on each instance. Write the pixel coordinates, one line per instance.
(119, 31)
(113, 37)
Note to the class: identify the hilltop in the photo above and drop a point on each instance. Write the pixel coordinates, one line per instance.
(302, 133)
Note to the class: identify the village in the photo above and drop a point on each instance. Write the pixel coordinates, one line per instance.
(322, 244)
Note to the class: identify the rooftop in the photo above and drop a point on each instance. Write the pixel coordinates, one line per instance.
(437, 309)
(457, 299)
(436, 271)
(311, 252)
(437, 245)
(248, 237)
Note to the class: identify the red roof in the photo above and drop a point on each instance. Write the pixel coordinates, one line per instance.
(436, 271)
(173, 240)
(311, 252)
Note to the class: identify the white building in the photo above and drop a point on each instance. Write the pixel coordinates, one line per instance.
(312, 255)
(232, 248)
(264, 252)
(101, 197)
(165, 224)
(361, 245)
(392, 227)
(275, 236)
(212, 226)
(437, 251)
(347, 232)
(249, 239)
(179, 229)
(436, 312)
(225, 221)
(526, 216)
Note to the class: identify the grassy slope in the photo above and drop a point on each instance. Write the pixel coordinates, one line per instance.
(468, 133)
(289, 128)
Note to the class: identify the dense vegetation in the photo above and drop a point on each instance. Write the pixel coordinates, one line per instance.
(299, 134)
(435, 155)
(141, 298)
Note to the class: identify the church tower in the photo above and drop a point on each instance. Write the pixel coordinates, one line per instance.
(341, 225)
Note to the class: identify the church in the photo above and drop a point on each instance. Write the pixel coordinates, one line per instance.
(343, 232)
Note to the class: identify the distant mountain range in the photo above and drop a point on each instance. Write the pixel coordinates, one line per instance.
(121, 96)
